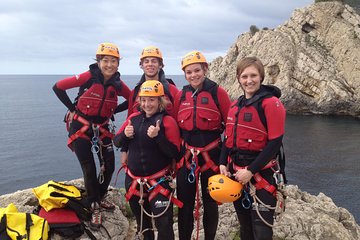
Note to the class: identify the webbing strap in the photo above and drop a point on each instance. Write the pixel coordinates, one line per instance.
(86, 125)
(163, 191)
(194, 151)
(150, 179)
(261, 183)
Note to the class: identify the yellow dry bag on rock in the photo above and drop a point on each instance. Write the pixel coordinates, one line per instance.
(60, 195)
(21, 226)
(56, 194)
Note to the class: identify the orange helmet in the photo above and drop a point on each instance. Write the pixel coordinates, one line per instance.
(192, 57)
(151, 51)
(151, 88)
(108, 49)
(223, 189)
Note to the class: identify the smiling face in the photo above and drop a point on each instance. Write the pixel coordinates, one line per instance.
(250, 81)
(195, 74)
(151, 67)
(150, 105)
(108, 66)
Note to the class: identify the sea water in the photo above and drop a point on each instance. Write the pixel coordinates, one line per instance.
(322, 153)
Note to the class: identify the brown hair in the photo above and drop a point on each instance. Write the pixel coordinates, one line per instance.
(250, 61)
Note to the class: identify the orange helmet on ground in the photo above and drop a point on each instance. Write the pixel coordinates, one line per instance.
(223, 189)
(192, 57)
(151, 51)
(108, 49)
(151, 88)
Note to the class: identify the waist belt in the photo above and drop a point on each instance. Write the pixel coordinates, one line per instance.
(261, 182)
(81, 133)
(195, 151)
(151, 182)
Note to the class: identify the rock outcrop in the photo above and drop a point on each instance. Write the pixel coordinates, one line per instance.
(314, 58)
(307, 217)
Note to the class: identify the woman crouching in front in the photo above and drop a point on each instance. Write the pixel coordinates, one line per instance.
(153, 141)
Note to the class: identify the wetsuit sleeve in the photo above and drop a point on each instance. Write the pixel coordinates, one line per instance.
(122, 107)
(224, 155)
(173, 91)
(177, 104)
(269, 152)
(275, 115)
(224, 103)
(61, 86)
(131, 103)
(275, 118)
(125, 91)
(169, 143)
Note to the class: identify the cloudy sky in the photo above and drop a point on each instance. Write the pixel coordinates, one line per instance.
(61, 36)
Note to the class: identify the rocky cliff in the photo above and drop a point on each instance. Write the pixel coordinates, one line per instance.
(306, 217)
(314, 58)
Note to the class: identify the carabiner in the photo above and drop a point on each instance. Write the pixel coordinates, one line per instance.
(279, 179)
(95, 148)
(160, 181)
(246, 202)
(191, 176)
(101, 177)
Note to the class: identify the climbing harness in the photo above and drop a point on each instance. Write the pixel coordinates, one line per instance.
(149, 187)
(151, 181)
(194, 168)
(261, 183)
(97, 146)
(81, 133)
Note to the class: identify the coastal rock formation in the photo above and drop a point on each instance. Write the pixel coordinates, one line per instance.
(306, 217)
(314, 58)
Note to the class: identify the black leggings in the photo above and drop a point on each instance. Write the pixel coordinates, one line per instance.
(251, 226)
(186, 193)
(95, 190)
(164, 223)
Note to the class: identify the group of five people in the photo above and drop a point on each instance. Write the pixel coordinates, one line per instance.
(189, 134)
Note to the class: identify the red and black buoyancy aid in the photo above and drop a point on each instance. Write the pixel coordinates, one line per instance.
(200, 109)
(96, 98)
(246, 126)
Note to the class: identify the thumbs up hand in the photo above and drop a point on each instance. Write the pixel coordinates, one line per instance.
(129, 130)
(153, 131)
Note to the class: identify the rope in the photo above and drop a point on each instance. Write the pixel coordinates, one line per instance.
(152, 216)
(278, 209)
(197, 213)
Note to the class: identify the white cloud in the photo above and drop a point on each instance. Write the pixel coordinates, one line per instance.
(52, 37)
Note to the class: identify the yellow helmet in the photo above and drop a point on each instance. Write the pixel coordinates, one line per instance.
(151, 51)
(223, 189)
(192, 57)
(151, 88)
(108, 49)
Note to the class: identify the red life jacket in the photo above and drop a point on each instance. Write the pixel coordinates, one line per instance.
(199, 111)
(96, 98)
(245, 128)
